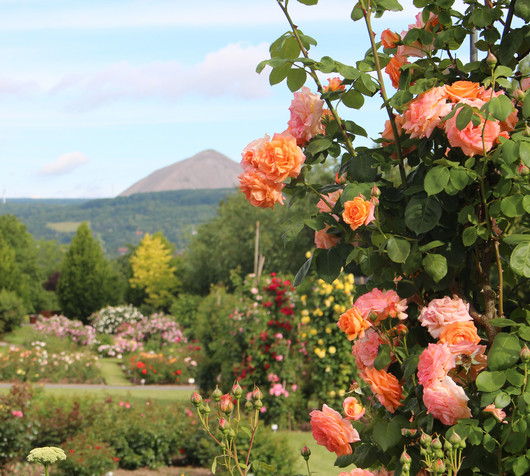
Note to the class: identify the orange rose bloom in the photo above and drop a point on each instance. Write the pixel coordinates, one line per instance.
(389, 39)
(463, 90)
(335, 84)
(358, 212)
(385, 386)
(352, 408)
(259, 191)
(458, 332)
(393, 68)
(353, 323)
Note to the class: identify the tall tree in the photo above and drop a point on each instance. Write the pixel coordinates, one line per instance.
(82, 287)
(153, 270)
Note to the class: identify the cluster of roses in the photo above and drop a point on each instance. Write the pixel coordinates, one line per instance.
(456, 357)
(268, 162)
(428, 111)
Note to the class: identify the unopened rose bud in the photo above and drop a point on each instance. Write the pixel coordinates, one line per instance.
(249, 406)
(527, 131)
(375, 191)
(439, 454)
(425, 440)
(455, 439)
(447, 445)
(436, 444)
(258, 404)
(408, 432)
(237, 391)
(231, 434)
(439, 466)
(206, 409)
(491, 59)
(217, 394)
(405, 458)
(224, 425)
(226, 404)
(306, 453)
(256, 394)
(525, 354)
(196, 399)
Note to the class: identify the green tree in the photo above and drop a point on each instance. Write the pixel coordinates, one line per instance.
(83, 285)
(227, 243)
(153, 270)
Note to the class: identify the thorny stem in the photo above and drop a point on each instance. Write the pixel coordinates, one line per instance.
(316, 192)
(254, 428)
(294, 28)
(366, 14)
(501, 279)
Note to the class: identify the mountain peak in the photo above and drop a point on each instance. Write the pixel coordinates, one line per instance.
(208, 169)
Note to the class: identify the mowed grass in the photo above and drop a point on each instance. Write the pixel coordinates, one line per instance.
(321, 460)
(64, 226)
(112, 373)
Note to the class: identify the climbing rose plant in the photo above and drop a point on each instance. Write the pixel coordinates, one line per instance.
(435, 217)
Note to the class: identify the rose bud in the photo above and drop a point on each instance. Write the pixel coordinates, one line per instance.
(256, 394)
(306, 453)
(196, 399)
(237, 391)
(217, 394)
(226, 404)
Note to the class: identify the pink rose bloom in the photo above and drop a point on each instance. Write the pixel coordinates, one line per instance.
(306, 112)
(383, 472)
(325, 240)
(365, 350)
(434, 364)
(425, 112)
(469, 139)
(417, 49)
(277, 390)
(497, 412)
(357, 472)
(525, 83)
(446, 401)
(332, 431)
(331, 198)
(382, 305)
(441, 312)
(17, 413)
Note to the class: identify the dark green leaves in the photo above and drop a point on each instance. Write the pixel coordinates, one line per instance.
(436, 180)
(296, 78)
(422, 214)
(436, 266)
(353, 99)
(383, 357)
(490, 381)
(398, 249)
(520, 259)
(504, 352)
(500, 107)
(308, 2)
(387, 433)
(302, 272)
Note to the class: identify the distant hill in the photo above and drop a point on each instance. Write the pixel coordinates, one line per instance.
(120, 221)
(206, 170)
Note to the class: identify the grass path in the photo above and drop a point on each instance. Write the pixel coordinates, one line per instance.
(112, 373)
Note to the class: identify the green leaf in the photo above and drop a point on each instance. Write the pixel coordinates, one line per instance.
(279, 74)
(464, 116)
(290, 48)
(522, 10)
(392, 5)
(214, 465)
(459, 178)
(526, 203)
(435, 266)
(431, 245)
(481, 17)
(387, 434)
(510, 151)
(329, 265)
(296, 79)
(398, 249)
(513, 206)
(469, 236)
(502, 400)
(521, 466)
(302, 272)
(515, 238)
(500, 107)
(422, 214)
(344, 460)
(515, 378)
(490, 381)
(524, 152)
(410, 365)
(353, 99)
(436, 180)
(357, 12)
(504, 352)
(318, 145)
(524, 332)
(308, 2)
(383, 357)
(502, 322)
(326, 65)
(520, 259)
(526, 106)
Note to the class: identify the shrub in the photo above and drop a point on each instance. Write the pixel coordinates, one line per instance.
(87, 456)
(184, 309)
(11, 311)
(61, 326)
(109, 319)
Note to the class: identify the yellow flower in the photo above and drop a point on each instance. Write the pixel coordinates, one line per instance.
(332, 349)
(304, 335)
(313, 332)
(336, 308)
(328, 369)
(332, 393)
(328, 330)
(341, 392)
(327, 303)
(308, 254)
(320, 342)
(305, 312)
(306, 320)
(322, 354)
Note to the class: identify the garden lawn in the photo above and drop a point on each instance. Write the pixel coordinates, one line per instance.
(112, 372)
(321, 460)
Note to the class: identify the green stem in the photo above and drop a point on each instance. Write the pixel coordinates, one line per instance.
(46, 470)
(308, 470)
(313, 74)
(318, 194)
(382, 90)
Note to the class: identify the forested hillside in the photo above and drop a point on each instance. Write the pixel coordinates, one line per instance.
(120, 221)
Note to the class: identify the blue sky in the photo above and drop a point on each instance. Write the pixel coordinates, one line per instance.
(97, 94)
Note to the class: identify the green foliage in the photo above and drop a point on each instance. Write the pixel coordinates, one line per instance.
(184, 310)
(11, 311)
(226, 243)
(86, 456)
(82, 287)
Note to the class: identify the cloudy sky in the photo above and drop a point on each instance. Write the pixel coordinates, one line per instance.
(97, 94)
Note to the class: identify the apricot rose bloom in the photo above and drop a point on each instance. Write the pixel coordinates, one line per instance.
(382, 305)
(459, 333)
(358, 212)
(353, 323)
(441, 312)
(332, 431)
(446, 401)
(462, 90)
(389, 39)
(259, 191)
(497, 412)
(393, 69)
(352, 408)
(357, 472)
(306, 114)
(331, 200)
(365, 350)
(325, 240)
(434, 364)
(385, 386)
(425, 112)
(334, 84)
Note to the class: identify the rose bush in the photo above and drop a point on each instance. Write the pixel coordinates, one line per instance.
(436, 216)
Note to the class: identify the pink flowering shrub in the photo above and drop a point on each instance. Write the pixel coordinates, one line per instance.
(61, 326)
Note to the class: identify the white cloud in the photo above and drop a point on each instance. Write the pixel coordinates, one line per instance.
(64, 164)
(229, 71)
